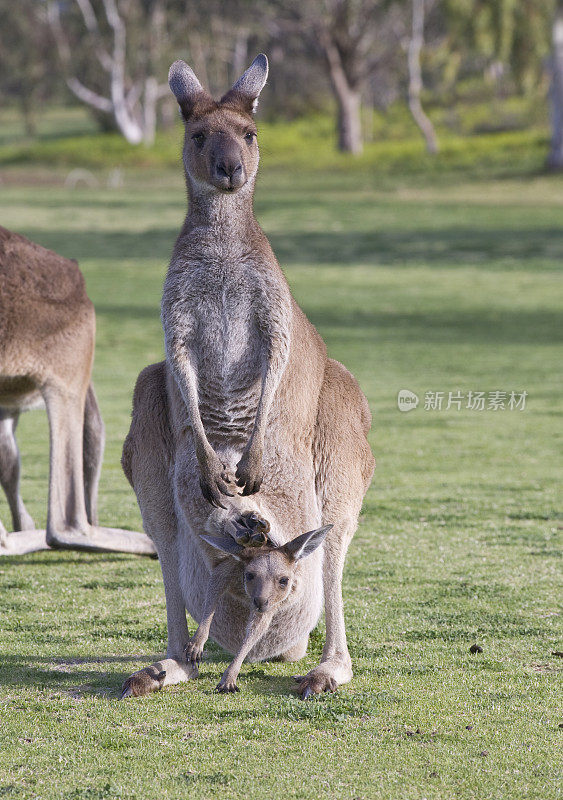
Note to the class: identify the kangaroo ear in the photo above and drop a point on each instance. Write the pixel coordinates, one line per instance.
(248, 87)
(224, 543)
(305, 544)
(185, 86)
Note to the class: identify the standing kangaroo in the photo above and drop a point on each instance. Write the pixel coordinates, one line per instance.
(47, 333)
(246, 399)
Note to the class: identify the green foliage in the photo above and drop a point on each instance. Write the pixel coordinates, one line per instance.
(27, 60)
(413, 284)
(509, 32)
(309, 144)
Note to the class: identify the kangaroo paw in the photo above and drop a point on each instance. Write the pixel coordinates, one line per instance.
(248, 474)
(214, 480)
(194, 652)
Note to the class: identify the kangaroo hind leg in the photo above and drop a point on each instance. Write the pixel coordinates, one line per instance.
(147, 455)
(10, 471)
(344, 467)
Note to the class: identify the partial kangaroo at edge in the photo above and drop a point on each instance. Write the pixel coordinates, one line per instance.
(47, 333)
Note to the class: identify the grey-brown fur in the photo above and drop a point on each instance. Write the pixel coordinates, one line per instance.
(248, 399)
(47, 332)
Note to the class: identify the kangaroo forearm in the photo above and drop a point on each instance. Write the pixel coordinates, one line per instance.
(257, 627)
(186, 380)
(272, 379)
(218, 583)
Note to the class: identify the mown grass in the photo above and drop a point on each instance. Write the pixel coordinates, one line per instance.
(413, 286)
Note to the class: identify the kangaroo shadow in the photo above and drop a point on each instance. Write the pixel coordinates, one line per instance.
(67, 675)
(254, 677)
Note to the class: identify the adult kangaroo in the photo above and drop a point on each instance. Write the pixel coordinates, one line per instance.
(246, 399)
(47, 333)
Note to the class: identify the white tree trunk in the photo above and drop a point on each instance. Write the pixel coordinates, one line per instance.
(555, 158)
(133, 110)
(415, 77)
(149, 110)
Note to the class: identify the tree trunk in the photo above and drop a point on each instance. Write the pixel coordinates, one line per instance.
(240, 54)
(149, 110)
(349, 122)
(128, 126)
(555, 158)
(347, 98)
(134, 115)
(29, 121)
(415, 77)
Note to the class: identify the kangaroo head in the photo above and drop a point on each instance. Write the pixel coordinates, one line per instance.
(269, 571)
(220, 146)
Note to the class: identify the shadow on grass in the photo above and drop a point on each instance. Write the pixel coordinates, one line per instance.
(454, 247)
(68, 676)
(483, 325)
(65, 675)
(50, 559)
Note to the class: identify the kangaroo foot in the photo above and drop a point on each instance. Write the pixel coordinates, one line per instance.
(101, 540)
(324, 678)
(223, 687)
(21, 542)
(143, 682)
(228, 683)
(166, 672)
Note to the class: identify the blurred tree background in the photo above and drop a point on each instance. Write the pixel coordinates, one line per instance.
(353, 60)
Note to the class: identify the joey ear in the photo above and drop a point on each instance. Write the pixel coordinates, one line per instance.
(185, 86)
(224, 543)
(306, 543)
(250, 84)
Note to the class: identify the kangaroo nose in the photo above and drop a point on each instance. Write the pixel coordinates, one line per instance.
(260, 604)
(228, 169)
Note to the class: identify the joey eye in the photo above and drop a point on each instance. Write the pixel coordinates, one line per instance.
(198, 138)
(249, 137)
(250, 576)
(284, 581)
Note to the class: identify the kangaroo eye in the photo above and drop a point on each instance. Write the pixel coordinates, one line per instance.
(249, 136)
(198, 138)
(250, 576)
(284, 581)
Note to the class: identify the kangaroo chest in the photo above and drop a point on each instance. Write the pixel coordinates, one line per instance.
(228, 345)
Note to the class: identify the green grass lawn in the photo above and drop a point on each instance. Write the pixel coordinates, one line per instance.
(413, 286)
